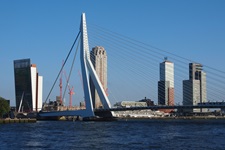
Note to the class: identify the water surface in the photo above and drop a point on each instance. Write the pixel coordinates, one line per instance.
(125, 135)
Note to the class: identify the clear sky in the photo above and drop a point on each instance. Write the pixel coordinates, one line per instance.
(44, 31)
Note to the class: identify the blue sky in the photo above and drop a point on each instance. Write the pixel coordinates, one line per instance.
(44, 31)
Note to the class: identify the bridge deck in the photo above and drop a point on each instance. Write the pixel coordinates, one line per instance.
(162, 107)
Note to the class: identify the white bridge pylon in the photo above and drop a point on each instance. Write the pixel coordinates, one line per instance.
(88, 70)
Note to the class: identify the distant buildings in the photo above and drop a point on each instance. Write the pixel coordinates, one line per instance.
(141, 103)
(166, 83)
(194, 89)
(99, 60)
(148, 101)
(28, 86)
(128, 104)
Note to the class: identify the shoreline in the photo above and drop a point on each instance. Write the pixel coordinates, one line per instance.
(180, 118)
(8, 120)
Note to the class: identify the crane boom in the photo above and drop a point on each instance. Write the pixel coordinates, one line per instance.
(71, 92)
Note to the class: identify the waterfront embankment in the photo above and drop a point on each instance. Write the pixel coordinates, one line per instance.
(25, 120)
(178, 118)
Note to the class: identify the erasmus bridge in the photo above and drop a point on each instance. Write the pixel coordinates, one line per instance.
(215, 85)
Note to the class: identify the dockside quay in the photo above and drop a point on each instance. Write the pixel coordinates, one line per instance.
(6, 121)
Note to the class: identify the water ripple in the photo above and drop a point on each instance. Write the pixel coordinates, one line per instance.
(124, 135)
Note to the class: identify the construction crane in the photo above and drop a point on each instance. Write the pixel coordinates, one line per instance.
(71, 93)
(71, 90)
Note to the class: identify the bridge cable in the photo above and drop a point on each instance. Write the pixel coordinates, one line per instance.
(71, 68)
(62, 68)
(122, 44)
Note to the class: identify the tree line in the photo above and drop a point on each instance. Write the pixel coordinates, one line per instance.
(4, 107)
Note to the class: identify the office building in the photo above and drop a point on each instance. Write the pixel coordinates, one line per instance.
(194, 89)
(28, 86)
(99, 60)
(166, 83)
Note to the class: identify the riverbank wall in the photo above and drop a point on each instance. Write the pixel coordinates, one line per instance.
(25, 120)
(174, 119)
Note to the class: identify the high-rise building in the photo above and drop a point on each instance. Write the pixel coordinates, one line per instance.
(166, 83)
(194, 89)
(28, 86)
(191, 93)
(99, 60)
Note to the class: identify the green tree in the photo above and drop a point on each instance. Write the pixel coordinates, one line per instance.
(4, 107)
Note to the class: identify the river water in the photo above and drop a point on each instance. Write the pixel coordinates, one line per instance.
(124, 135)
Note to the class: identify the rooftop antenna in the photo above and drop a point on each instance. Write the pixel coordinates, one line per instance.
(165, 58)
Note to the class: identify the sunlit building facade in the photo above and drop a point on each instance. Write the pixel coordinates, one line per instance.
(166, 83)
(99, 60)
(194, 89)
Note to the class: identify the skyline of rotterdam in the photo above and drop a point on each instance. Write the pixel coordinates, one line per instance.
(190, 32)
(194, 89)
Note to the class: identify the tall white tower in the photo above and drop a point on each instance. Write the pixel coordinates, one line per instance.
(167, 72)
(166, 83)
(87, 69)
(37, 88)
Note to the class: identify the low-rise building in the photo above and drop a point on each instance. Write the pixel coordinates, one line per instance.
(128, 104)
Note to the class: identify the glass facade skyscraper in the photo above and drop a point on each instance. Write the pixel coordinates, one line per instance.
(28, 86)
(22, 75)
